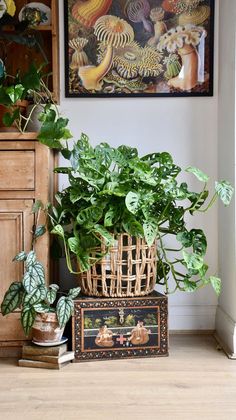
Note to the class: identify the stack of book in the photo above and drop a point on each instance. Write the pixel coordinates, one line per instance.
(45, 357)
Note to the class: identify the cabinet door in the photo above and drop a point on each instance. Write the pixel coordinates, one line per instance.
(16, 222)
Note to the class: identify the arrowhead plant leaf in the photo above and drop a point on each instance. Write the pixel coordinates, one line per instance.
(64, 310)
(12, 298)
(28, 315)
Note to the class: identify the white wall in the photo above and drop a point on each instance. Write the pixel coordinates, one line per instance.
(185, 127)
(226, 313)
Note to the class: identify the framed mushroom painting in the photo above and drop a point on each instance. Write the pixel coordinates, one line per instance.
(139, 48)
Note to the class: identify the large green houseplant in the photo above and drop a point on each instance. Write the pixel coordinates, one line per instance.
(113, 190)
(41, 309)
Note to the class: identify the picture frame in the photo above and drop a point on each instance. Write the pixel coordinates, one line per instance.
(139, 48)
(112, 328)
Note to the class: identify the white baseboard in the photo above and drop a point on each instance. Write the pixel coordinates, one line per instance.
(226, 332)
(192, 317)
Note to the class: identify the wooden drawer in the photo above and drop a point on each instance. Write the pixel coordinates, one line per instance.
(17, 170)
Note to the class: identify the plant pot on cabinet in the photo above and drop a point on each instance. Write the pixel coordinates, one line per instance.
(128, 270)
(46, 328)
(22, 105)
(33, 112)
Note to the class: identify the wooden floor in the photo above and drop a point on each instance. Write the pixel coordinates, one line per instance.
(196, 381)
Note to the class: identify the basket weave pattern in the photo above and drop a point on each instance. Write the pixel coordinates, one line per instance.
(128, 270)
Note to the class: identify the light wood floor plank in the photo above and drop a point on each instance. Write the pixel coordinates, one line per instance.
(195, 382)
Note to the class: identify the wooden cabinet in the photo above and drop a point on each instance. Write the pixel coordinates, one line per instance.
(26, 174)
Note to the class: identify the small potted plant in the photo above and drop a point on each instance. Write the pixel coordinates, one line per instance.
(119, 209)
(21, 95)
(41, 311)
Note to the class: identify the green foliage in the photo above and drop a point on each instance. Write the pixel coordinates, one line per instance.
(31, 294)
(113, 190)
(14, 89)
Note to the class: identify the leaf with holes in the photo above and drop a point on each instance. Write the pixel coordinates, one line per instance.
(64, 310)
(199, 242)
(190, 286)
(109, 240)
(201, 176)
(216, 284)
(28, 315)
(150, 232)
(132, 226)
(12, 298)
(193, 261)
(132, 202)
(110, 217)
(225, 191)
(90, 215)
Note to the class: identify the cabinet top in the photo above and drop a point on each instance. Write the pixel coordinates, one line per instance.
(17, 136)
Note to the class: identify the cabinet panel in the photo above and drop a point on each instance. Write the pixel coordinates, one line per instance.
(10, 328)
(16, 223)
(17, 170)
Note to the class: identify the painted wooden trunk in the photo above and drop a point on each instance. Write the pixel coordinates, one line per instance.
(120, 328)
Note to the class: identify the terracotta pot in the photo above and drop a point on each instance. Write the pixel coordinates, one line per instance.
(46, 328)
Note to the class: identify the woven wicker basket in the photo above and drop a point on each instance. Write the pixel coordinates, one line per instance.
(128, 270)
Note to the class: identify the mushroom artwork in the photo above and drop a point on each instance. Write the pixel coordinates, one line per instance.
(184, 40)
(189, 11)
(133, 61)
(138, 11)
(157, 15)
(87, 12)
(112, 32)
(79, 57)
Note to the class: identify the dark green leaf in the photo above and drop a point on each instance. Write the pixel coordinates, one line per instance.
(90, 215)
(12, 298)
(10, 117)
(109, 239)
(132, 226)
